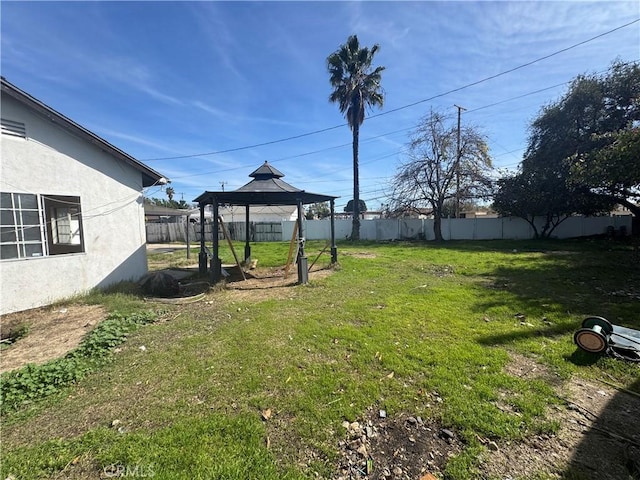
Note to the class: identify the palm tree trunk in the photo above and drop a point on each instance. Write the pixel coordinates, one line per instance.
(355, 226)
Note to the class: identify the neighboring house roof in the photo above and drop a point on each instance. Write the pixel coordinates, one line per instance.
(157, 210)
(266, 209)
(266, 188)
(272, 211)
(149, 176)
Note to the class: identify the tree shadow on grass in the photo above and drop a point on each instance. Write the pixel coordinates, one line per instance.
(556, 292)
(515, 336)
(602, 283)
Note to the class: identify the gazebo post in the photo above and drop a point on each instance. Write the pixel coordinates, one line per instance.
(247, 247)
(202, 256)
(216, 263)
(334, 249)
(303, 272)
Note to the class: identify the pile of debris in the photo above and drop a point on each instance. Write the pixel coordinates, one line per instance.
(404, 447)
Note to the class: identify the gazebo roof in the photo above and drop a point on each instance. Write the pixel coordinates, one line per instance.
(266, 188)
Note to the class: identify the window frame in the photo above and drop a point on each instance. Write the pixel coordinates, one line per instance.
(63, 202)
(18, 210)
(52, 225)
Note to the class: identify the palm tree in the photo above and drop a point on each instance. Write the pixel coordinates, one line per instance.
(355, 86)
(170, 193)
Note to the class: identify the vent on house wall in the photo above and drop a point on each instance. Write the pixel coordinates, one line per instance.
(17, 129)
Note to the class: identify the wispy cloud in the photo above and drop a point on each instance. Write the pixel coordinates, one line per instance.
(218, 37)
(156, 144)
(81, 63)
(226, 116)
(128, 72)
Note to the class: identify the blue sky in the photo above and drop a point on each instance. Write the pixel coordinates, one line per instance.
(181, 79)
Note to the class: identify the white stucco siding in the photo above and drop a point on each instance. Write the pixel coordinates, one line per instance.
(51, 161)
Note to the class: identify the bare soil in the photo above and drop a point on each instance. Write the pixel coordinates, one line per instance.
(268, 283)
(403, 447)
(52, 332)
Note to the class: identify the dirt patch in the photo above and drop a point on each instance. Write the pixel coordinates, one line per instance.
(51, 333)
(599, 434)
(529, 369)
(359, 254)
(402, 447)
(268, 283)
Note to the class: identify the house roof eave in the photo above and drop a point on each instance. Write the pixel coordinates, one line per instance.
(150, 177)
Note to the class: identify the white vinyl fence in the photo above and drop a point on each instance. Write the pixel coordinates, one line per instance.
(459, 228)
(395, 229)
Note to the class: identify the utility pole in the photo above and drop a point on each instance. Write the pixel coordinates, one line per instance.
(222, 184)
(458, 154)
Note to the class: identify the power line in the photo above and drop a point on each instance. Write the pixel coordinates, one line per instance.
(511, 70)
(247, 147)
(368, 139)
(486, 79)
(519, 97)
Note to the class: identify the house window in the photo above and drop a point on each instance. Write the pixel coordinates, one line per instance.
(64, 224)
(21, 233)
(34, 225)
(16, 129)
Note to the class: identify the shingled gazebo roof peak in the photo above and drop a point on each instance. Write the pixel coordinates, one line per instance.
(266, 187)
(265, 171)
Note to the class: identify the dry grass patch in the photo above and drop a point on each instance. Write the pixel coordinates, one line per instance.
(52, 333)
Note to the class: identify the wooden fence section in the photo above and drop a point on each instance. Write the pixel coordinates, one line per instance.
(393, 229)
(177, 232)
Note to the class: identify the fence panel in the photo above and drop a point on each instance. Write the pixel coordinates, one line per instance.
(393, 229)
(268, 232)
(410, 229)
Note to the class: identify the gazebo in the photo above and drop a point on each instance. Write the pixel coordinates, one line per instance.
(266, 188)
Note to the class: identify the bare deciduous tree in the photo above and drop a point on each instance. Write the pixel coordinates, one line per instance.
(435, 172)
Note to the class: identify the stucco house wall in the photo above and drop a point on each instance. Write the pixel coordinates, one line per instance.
(53, 160)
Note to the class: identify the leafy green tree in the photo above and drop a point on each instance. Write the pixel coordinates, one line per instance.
(318, 210)
(356, 86)
(433, 172)
(362, 206)
(530, 196)
(612, 172)
(582, 150)
(161, 202)
(542, 197)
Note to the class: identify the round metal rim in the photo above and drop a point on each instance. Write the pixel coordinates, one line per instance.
(603, 323)
(597, 342)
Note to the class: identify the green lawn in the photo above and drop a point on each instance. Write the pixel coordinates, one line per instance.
(441, 318)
